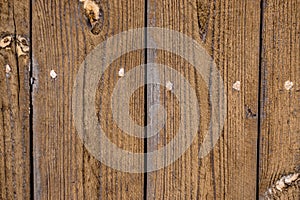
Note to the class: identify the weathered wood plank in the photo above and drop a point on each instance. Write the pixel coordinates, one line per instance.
(62, 38)
(280, 105)
(14, 100)
(229, 31)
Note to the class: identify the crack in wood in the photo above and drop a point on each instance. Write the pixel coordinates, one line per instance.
(203, 15)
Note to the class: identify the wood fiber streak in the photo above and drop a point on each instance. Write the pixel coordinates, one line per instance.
(63, 35)
(280, 108)
(14, 100)
(229, 31)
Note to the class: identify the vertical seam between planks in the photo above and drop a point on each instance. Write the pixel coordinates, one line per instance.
(31, 105)
(262, 4)
(145, 98)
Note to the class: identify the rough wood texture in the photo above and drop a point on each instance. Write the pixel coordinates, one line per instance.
(229, 30)
(280, 107)
(14, 100)
(63, 34)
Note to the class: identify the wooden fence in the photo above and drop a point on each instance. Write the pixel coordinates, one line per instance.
(256, 47)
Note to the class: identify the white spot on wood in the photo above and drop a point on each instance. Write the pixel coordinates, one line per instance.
(270, 191)
(5, 42)
(291, 178)
(31, 80)
(282, 184)
(53, 74)
(7, 69)
(121, 72)
(169, 86)
(91, 8)
(237, 86)
(22, 46)
(288, 85)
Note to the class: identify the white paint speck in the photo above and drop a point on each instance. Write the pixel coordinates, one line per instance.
(89, 6)
(270, 191)
(121, 72)
(31, 81)
(280, 184)
(53, 74)
(7, 69)
(288, 85)
(169, 86)
(237, 86)
(291, 178)
(5, 42)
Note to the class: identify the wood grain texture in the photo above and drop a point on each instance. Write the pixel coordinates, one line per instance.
(280, 108)
(14, 100)
(229, 31)
(63, 34)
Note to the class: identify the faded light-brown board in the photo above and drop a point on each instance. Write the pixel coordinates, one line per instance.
(62, 38)
(14, 100)
(229, 31)
(279, 159)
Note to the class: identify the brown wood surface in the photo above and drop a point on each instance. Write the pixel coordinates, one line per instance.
(229, 31)
(254, 42)
(62, 37)
(280, 108)
(14, 100)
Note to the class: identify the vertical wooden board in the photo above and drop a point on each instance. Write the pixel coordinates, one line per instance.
(62, 37)
(229, 31)
(280, 105)
(14, 100)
